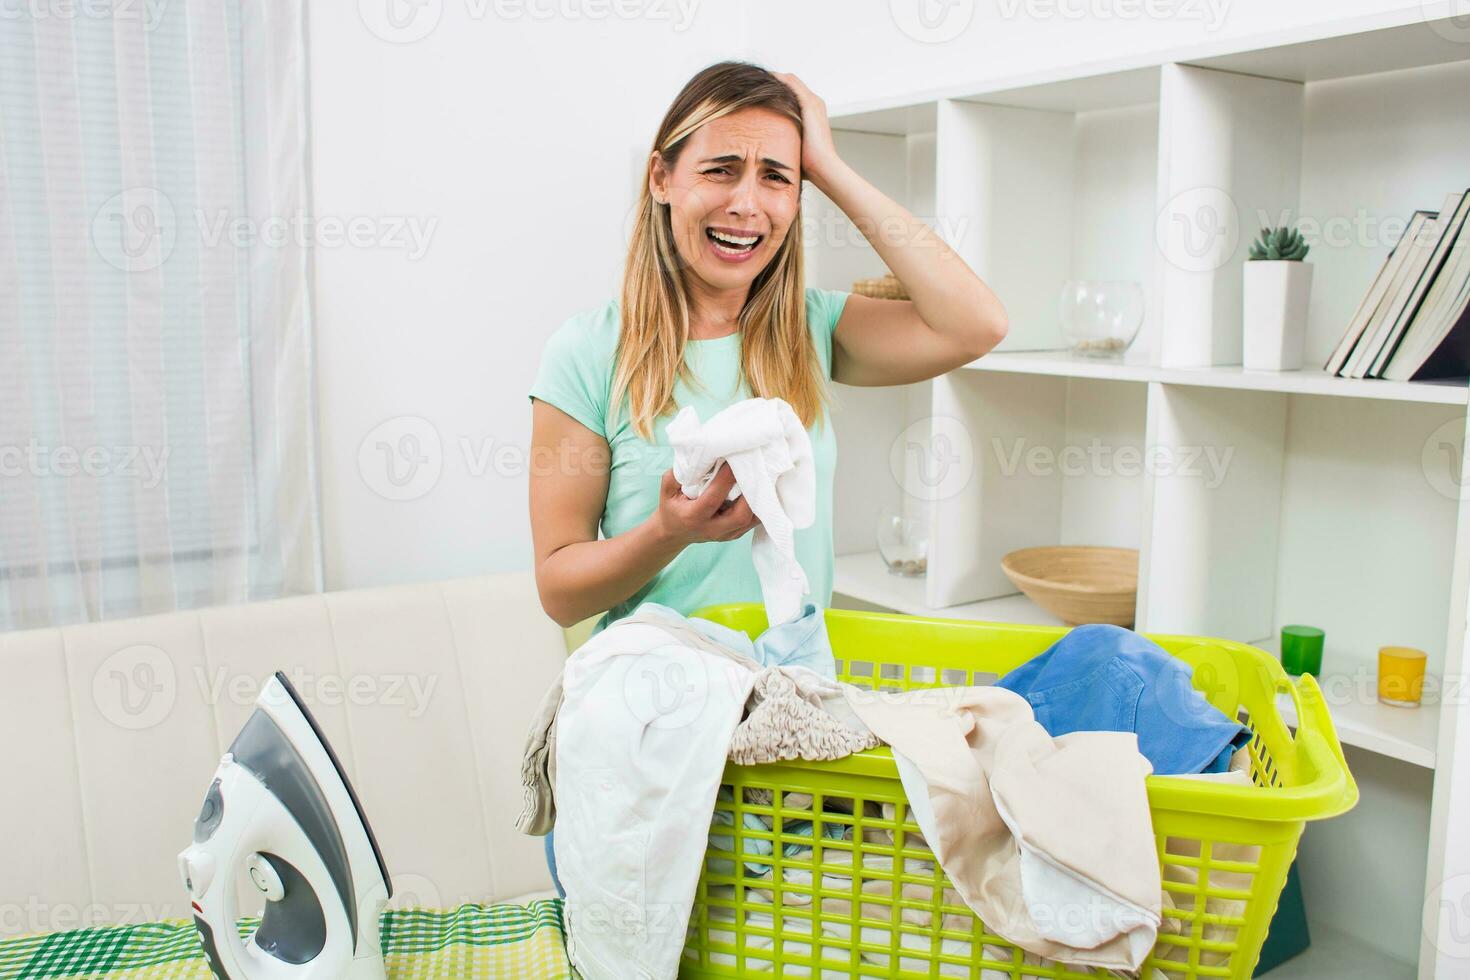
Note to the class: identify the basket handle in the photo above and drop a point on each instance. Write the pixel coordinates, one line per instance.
(1314, 724)
(1285, 685)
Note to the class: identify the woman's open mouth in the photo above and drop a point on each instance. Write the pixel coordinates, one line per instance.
(731, 246)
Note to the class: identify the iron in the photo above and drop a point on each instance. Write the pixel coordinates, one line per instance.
(281, 818)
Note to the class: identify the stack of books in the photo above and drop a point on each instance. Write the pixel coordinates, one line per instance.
(1414, 322)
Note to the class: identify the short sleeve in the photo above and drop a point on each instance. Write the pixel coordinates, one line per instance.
(823, 310)
(575, 374)
(827, 306)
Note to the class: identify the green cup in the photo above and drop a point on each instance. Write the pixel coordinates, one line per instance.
(1301, 650)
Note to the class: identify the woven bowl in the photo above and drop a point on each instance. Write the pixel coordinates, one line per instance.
(1078, 584)
(884, 287)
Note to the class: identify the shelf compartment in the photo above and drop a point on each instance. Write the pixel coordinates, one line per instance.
(1030, 198)
(1339, 955)
(897, 155)
(1222, 161)
(1032, 462)
(1367, 527)
(1213, 512)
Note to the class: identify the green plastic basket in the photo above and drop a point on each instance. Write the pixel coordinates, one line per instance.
(779, 895)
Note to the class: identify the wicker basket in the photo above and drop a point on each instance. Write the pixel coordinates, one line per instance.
(884, 287)
(1078, 584)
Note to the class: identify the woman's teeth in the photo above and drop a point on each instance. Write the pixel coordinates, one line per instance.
(731, 244)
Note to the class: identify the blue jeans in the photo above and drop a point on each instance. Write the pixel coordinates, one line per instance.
(551, 863)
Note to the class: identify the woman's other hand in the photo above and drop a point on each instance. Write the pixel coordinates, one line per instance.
(708, 517)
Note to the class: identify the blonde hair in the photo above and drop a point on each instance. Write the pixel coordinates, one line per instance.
(777, 357)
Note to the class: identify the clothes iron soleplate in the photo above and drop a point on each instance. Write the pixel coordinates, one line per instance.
(281, 819)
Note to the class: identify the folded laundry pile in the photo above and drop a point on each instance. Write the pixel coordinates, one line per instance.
(771, 456)
(629, 751)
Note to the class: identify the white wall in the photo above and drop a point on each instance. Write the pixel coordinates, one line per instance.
(513, 141)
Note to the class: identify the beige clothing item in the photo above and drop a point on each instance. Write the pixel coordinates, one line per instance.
(538, 766)
(797, 714)
(1005, 799)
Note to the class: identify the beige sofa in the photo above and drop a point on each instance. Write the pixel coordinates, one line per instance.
(112, 730)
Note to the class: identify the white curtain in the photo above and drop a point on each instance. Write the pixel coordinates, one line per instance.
(156, 407)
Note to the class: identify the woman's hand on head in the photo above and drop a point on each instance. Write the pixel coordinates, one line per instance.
(708, 517)
(818, 152)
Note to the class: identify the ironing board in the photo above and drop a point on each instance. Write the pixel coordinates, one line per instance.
(474, 942)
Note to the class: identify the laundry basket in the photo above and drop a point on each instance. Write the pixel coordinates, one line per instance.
(812, 869)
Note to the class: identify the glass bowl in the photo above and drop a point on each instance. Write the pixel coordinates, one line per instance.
(903, 542)
(1100, 319)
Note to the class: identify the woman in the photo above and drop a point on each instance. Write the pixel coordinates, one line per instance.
(714, 309)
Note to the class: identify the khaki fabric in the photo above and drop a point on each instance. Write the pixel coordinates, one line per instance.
(1077, 802)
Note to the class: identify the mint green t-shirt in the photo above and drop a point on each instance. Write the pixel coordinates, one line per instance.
(576, 376)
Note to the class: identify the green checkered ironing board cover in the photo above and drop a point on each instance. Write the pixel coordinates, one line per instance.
(473, 942)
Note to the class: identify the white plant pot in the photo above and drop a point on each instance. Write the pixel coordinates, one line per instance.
(1275, 312)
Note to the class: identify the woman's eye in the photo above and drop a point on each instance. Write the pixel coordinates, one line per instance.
(725, 170)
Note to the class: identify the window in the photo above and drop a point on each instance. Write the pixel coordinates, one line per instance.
(156, 449)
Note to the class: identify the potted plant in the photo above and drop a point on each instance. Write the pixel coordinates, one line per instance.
(1278, 285)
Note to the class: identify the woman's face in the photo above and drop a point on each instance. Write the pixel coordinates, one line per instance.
(732, 195)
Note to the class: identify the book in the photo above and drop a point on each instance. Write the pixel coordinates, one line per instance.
(1422, 234)
(1372, 302)
(1360, 317)
(1453, 213)
(1436, 306)
(1439, 347)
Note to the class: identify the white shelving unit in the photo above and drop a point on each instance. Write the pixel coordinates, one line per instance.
(1255, 499)
(1310, 380)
